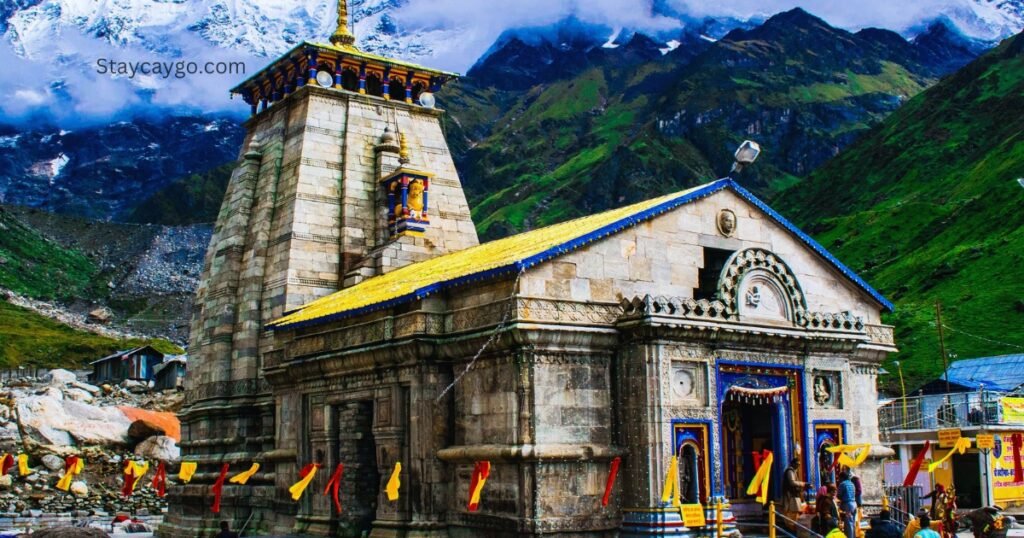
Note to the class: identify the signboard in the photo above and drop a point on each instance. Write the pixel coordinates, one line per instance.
(985, 441)
(693, 515)
(1004, 489)
(1013, 410)
(948, 438)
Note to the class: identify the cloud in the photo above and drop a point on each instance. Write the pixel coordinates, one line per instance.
(897, 16)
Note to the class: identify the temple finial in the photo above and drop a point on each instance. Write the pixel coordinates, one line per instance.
(342, 37)
(403, 149)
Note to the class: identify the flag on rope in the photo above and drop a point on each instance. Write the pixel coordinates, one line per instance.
(72, 466)
(481, 470)
(915, 465)
(759, 484)
(23, 468)
(185, 472)
(333, 485)
(160, 479)
(613, 471)
(670, 491)
(6, 464)
(394, 482)
(129, 480)
(218, 488)
(861, 453)
(306, 476)
(244, 476)
(138, 471)
(961, 446)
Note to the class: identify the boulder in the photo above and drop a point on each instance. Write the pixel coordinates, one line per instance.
(141, 430)
(64, 422)
(60, 377)
(91, 389)
(79, 489)
(6, 481)
(101, 315)
(52, 462)
(78, 395)
(159, 448)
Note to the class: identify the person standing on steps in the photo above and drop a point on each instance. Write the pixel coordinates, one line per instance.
(847, 494)
(792, 490)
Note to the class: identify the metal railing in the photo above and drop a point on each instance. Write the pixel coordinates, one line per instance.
(934, 411)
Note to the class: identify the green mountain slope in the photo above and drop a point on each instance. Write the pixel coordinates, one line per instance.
(189, 200)
(35, 266)
(927, 207)
(634, 123)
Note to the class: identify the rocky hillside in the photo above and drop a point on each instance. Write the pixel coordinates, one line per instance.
(612, 126)
(927, 207)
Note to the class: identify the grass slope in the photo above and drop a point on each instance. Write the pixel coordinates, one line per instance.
(926, 207)
(35, 266)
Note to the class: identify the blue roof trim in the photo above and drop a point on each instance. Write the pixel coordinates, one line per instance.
(599, 233)
(815, 246)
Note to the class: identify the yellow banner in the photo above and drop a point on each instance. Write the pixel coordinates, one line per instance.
(985, 441)
(1013, 410)
(844, 452)
(948, 438)
(1004, 489)
(959, 447)
(670, 491)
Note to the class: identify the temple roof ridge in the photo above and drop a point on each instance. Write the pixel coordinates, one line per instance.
(514, 254)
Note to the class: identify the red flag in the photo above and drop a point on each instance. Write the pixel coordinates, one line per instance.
(1018, 471)
(915, 465)
(160, 480)
(613, 471)
(129, 479)
(7, 464)
(333, 485)
(218, 488)
(481, 470)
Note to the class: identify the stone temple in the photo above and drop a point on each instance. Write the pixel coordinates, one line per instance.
(348, 314)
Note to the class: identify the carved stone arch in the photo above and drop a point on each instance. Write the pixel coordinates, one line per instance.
(750, 272)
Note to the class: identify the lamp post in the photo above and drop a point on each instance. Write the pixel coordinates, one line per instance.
(903, 391)
(745, 155)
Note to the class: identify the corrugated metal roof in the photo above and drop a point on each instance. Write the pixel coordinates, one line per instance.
(1004, 372)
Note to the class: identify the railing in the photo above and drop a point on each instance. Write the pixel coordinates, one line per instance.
(788, 528)
(934, 411)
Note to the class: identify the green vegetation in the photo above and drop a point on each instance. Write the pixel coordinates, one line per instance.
(188, 200)
(26, 338)
(33, 265)
(926, 207)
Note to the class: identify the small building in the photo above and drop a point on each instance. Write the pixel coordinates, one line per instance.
(137, 364)
(973, 396)
(170, 374)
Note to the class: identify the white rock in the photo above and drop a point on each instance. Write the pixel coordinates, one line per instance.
(60, 377)
(6, 481)
(159, 448)
(78, 395)
(79, 489)
(64, 422)
(52, 462)
(91, 389)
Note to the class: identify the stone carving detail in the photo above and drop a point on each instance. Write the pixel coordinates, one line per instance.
(547, 310)
(727, 222)
(772, 268)
(674, 306)
(687, 382)
(825, 388)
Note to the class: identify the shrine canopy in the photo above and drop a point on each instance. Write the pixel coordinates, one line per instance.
(515, 254)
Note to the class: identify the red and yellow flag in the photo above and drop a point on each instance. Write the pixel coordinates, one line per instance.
(759, 484)
(306, 476)
(481, 470)
(72, 466)
(160, 479)
(23, 468)
(333, 485)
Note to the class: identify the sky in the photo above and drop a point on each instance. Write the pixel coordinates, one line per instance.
(70, 91)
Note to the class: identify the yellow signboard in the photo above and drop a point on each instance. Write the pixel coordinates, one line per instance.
(1004, 489)
(948, 438)
(1013, 410)
(985, 441)
(693, 515)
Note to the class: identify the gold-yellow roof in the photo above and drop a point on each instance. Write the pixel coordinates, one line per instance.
(503, 256)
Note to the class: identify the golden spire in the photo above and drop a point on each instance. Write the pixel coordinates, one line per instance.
(342, 37)
(403, 149)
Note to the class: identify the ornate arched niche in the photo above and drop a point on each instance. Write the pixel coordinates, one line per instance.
(756, 285)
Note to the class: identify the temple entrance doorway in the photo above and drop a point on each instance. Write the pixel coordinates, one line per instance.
(750, 430)
(357, 449)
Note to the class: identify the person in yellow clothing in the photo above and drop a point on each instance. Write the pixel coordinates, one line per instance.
(914, 525)
(834, 530)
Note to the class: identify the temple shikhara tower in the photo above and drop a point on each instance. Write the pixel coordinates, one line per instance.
(348, 314)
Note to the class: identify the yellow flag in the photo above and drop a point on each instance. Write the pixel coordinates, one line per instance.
(670, 492)
(759, 484)
(138, 470)
(844, 451)
(300, 486)
(188, 468)
(243, 477)
(961, 446)
(23, 469)
(394, 483)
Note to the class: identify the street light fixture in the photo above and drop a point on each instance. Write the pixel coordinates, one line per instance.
(745, 155)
